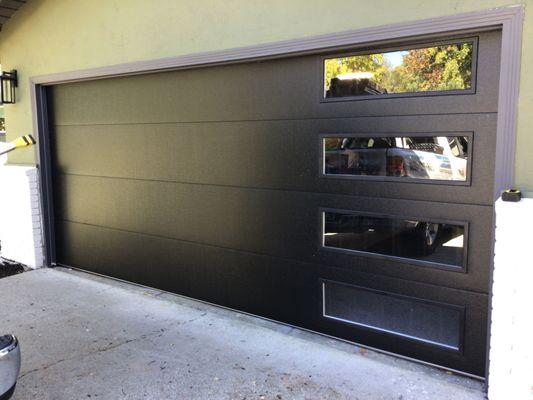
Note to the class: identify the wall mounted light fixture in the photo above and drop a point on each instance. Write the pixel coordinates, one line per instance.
(8, 83)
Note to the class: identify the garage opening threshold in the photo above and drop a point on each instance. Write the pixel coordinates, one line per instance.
(86, 335)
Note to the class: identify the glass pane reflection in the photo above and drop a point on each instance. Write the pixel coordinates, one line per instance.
(417, 240)
(417, 157)
(435, 68)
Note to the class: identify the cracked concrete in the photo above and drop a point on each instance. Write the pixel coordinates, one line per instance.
(99, 350)
(88, 337)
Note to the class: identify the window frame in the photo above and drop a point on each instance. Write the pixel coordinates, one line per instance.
(469, 163)
(460, 309)
(408, 45)
(463, 268)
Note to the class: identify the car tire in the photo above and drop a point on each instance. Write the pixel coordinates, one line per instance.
(427, 236)
(431, 231)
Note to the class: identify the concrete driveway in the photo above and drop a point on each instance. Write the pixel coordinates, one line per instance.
(87, 337)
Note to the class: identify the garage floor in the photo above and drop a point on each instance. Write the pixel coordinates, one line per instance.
(90, 337)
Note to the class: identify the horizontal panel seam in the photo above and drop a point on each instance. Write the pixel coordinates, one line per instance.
(276, 119)
(439, 187)
(262, 255)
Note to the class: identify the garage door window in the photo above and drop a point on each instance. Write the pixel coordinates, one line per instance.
(435, 158)
(440, 67)
(426, 242)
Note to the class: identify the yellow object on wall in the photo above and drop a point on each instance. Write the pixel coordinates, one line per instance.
(49, 36)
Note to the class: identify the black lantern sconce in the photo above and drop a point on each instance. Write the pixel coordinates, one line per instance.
(8, 83)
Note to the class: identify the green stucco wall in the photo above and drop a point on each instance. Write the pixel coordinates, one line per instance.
(48, 36)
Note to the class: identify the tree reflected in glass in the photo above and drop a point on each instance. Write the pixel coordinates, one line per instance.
(437, 68)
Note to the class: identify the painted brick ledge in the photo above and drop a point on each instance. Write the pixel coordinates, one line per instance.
(511, 348)
(20, 216)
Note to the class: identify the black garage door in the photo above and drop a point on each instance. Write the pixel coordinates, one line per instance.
(347, 192)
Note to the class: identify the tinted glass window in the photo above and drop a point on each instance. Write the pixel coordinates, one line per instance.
(403, 316)
(418, 240)
(426, 69)
(416, 157)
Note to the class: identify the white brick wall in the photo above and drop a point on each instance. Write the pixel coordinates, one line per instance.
(511, 348)
(20, 219)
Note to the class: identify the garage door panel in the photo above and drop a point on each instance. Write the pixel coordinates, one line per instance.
(276, 223)
(469, 358)
(274, 89)
(272, 155)
(485, 98)
(476, 188)
(253, 154)
(265, 286)
(221, 276)
(223, 93)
